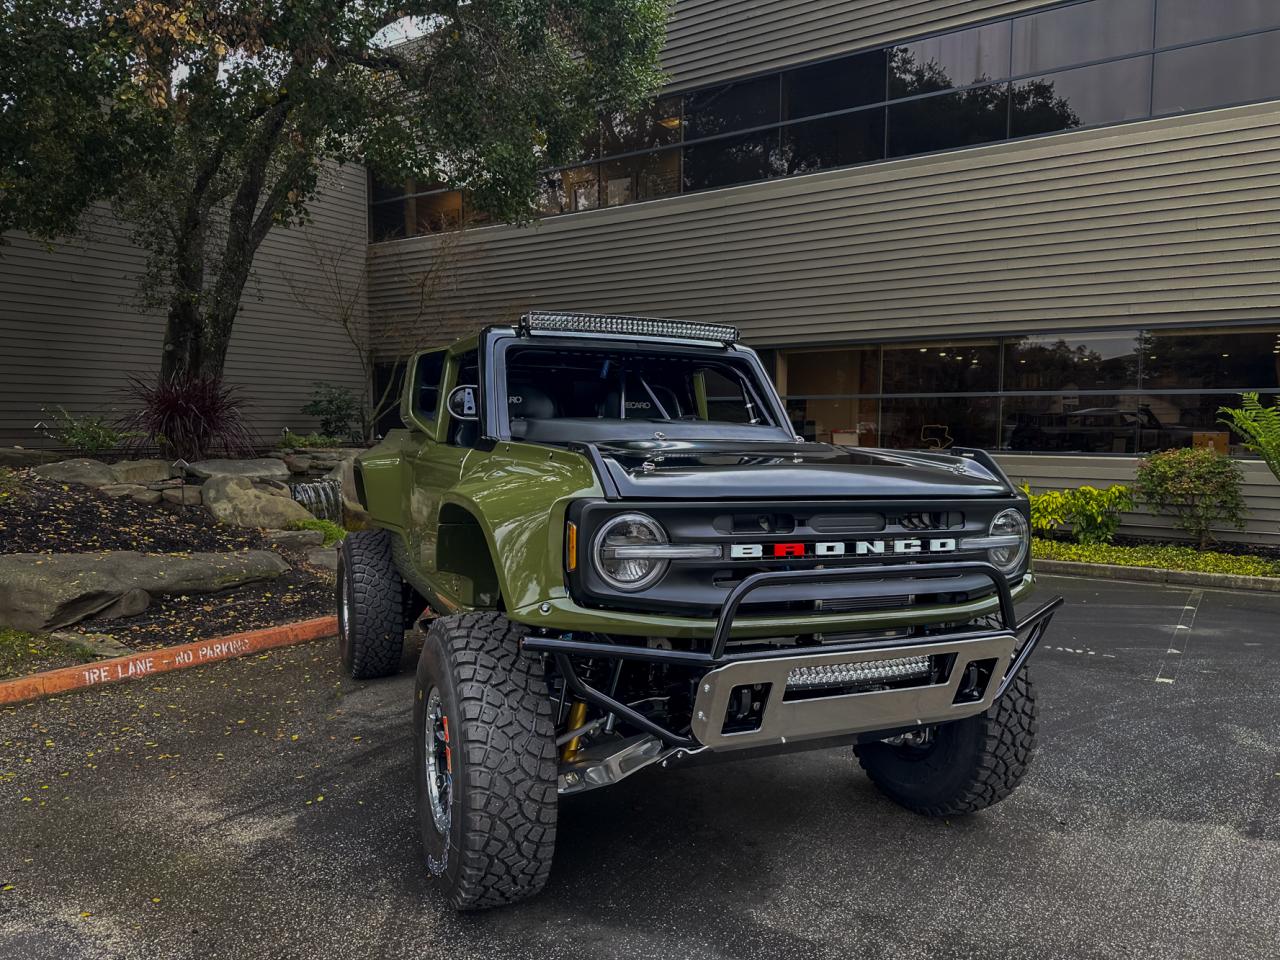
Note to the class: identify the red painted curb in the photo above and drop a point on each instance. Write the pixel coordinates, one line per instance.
(138, 665)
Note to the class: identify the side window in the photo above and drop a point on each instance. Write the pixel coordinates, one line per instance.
(464, 433)
(427, 384)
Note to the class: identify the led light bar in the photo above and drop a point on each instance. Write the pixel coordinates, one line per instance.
(848, 674)
(627, 326)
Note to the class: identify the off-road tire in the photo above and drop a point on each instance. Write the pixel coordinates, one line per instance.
(971, 763)
(371, 624)
(502, 826)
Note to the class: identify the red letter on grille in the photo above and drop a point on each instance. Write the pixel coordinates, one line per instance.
(788, 549)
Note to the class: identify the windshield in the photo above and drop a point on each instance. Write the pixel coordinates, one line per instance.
(620, 387)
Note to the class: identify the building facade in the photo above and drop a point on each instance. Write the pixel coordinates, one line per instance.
(1048, 229)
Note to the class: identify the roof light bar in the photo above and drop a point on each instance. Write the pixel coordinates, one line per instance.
(626, 326)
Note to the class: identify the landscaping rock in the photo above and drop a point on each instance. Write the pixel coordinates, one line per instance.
(141, 471)
(295, 539)
(346, 472)
(122, 489)
(354, 516)
(186, 496)
(89, 473)
(166, 484)
(264, 468)
(41, 592)
(297, 464)
(324, 558)
(21, 457)
(146, 497)
(236, 501)
(274, 487)
(131, 603)
(94, 644)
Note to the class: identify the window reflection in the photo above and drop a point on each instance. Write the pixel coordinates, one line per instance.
(570, 191)
(1217, 74)
(969, 367)
(834, 141)
(734, 106)
(643, 177)
(952, 60)
(951, 120)
(1079, 362)
(938, 423)
(826, 372)
(1243, 359)
(729, 160)
(1105, 93)
(658, 125)
(1184, 21)
(836, 85)
(1081, 32)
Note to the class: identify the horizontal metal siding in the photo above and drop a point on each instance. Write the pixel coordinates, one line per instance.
(714, 40)
(1163, 222)
(1261, 492)
(71, 333)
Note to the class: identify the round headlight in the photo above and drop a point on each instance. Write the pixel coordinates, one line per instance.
(620, 547)
(1010, 524)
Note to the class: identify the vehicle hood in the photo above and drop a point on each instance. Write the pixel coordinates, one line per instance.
(731, 469)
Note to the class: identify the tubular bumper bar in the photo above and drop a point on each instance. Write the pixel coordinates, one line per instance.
(716, 659)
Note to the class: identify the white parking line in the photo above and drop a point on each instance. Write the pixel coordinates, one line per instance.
(1185, 623)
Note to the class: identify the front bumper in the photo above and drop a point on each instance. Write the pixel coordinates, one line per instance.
(999, 652)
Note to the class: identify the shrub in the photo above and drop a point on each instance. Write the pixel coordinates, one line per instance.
(192, 418)
(337, 408)
(1260, 427)
(87, 435)
(304, 441)
(1165, 557)
(332, 532)
(1092, 514)
(8, 483)
(1199, 487)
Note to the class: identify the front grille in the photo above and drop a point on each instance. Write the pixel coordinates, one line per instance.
(864, 603)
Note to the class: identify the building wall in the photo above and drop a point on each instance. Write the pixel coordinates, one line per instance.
(71, 333)
(1168, 221)
(1261, 492)
(712, 40)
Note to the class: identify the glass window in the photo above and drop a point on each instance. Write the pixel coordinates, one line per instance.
(833, 142)
(734, 106)
(642, 177)
(851, 421)
(658, 125)
(951, 60)
(1102, 361)
(818, 373)
(951, 120)
(1182, 21)
(1104, 93)
(427, 380)
(1218, 74)
(1080, 33)
(1071, 423)
(380, 190)
(741, 159)
(835, 85)
(935, 423)
(942, 367)
(387, 221)
(434, 212)
(1232, 359)
(569, 191)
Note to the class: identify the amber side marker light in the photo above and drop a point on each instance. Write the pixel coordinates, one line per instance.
(571, 546)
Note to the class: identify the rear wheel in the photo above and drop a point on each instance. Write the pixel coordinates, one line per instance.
(959, 767)
(484, 762)
(371, 606)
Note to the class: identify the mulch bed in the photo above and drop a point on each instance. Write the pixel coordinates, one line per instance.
(47, 517)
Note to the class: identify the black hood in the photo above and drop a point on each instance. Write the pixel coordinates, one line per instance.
(733, 469)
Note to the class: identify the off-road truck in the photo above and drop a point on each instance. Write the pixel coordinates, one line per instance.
(626, 558)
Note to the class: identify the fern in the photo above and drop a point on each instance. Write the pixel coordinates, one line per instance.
(1260, 427)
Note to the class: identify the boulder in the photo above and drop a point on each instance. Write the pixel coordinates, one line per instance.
(236, 501)
(141, 471)
(297, 464)
(122, 489)
(166, 484)
(185, 496)
(295, 539)
(89, 473)
(264, 468)
(41, 592)
(346, 472)
(146, 497)
(22, 457)
(93, 644)
(354, 516)
(273, 487)
(323, 558)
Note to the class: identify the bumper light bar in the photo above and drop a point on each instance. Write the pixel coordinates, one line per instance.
(847, 674)
(627, 326)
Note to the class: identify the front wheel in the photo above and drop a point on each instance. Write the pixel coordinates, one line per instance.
(959, 767)
(484, 762)
(371, 614)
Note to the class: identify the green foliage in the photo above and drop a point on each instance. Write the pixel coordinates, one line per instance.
(308, 441)
(1092, 514)
(8, 484)
(207, 124)
(23, 653)
(87, 435)
(337, 408)
(332, 532)
(1163, 557)
(1260, 427)
(1198, 487)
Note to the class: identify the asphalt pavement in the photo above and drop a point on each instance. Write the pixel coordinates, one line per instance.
(262, 809)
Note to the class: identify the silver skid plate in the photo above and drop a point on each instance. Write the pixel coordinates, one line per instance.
(816, 717)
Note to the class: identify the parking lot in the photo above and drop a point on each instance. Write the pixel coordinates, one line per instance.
(262, 808)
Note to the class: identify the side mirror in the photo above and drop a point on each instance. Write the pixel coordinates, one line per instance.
(463, 404)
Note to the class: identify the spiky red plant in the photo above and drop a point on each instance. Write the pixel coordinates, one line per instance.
(192, 417)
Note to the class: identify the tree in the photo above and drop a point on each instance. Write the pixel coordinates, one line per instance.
(1260, 427)
(207, 124)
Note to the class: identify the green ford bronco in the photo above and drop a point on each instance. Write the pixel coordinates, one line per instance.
(625, 558)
